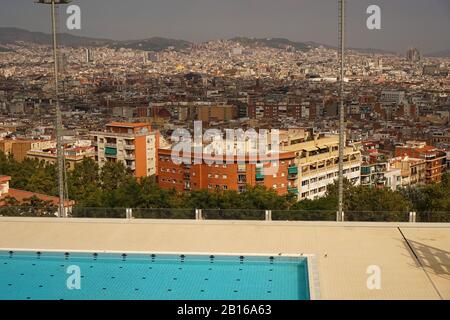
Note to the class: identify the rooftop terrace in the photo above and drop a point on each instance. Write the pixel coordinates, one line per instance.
(414, 258)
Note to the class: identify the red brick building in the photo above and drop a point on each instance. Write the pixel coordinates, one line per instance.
(186, 177)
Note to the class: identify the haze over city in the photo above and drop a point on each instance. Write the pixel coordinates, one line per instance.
(405, 23)
(225, 150)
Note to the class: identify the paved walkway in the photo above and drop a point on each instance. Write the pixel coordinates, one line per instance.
(414, 258)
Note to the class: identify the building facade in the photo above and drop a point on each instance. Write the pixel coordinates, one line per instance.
(304, 169)
(435, 159)
(133, 144)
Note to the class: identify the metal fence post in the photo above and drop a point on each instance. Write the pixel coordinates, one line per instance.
(343, 216)
(129, 213)
(412, 217)
(198, 214)
(268, 215)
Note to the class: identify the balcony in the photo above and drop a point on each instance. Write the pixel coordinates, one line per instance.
(293, 170)
(110, 152)
(110, 145)
(129, 147)
(242, 179)
(259, 175)
(293, 190)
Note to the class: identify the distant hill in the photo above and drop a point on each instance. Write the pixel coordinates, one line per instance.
(277, 43)
(14, 35)
(3, 49)
(152, 44)
(281, 43)
(440, 54)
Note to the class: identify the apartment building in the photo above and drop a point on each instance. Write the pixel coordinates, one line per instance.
(435, 159)
(376, 171)
(227, 176)
(209, 113)
(413, 170)
(317, 165)
(19, 148)
(72, 155)
(133, 144)
(304, 169)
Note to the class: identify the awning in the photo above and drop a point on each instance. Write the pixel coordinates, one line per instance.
(311, 148)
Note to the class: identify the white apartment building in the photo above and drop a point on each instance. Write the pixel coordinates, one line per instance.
(318, 166)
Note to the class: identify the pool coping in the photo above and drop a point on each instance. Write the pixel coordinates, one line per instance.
(311, 261)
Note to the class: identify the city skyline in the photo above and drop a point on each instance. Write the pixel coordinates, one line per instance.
(405, 24)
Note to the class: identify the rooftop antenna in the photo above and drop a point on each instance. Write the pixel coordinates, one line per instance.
(59, 144)
(341, 105)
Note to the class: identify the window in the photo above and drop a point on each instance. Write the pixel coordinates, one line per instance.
(224, 176)
(225, 187)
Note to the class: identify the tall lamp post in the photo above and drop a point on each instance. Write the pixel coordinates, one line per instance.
(59, 143)
(341, 106)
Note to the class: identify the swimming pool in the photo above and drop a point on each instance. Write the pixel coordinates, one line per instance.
(35, 275)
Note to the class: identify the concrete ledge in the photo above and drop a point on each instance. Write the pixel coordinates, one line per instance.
(227, 222)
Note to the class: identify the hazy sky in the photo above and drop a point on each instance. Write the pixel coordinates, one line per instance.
(424, 24)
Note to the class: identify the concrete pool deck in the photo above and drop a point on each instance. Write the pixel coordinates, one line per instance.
(414, 258)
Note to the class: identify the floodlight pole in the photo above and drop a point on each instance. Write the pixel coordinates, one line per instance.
(59, 142)
(341, 106)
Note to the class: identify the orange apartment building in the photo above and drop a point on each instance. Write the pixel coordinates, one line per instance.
(435, 159)
(235, 176)
(133, 144)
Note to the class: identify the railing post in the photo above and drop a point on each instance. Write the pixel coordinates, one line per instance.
(129, 213)
(268, 215)
(198, 214)
(343, 216)
(412, 217)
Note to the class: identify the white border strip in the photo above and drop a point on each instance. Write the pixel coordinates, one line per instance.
(313, 277)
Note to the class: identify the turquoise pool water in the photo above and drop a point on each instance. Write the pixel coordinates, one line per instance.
(44, 276)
